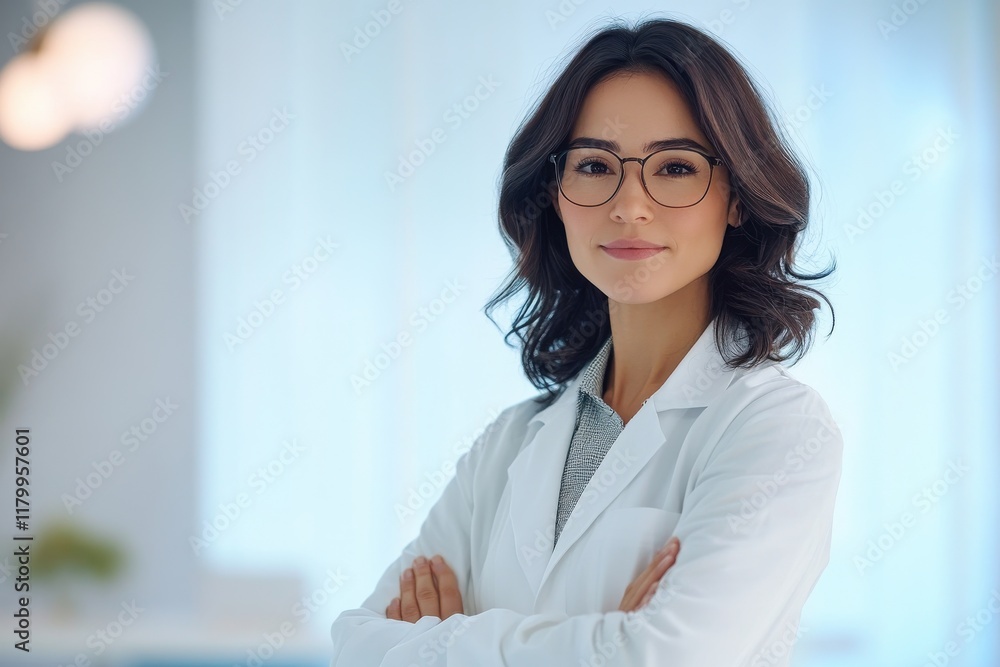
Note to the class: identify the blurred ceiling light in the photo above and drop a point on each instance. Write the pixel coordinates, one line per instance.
(101, 52)
(30, 115)
(82, 71)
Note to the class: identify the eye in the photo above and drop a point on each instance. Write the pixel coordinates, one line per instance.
(602, 168)
(677, 168)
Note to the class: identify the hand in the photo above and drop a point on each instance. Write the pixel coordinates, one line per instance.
(429, 588)
(641, 591)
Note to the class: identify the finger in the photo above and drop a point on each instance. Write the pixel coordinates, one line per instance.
(451, 597)
(636, 591)
(662, 560)
(649, 595)
(665, 563)
(408, 597)
(392, 611)
(427, 593)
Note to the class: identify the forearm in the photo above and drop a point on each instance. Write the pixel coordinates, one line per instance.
(494, 637)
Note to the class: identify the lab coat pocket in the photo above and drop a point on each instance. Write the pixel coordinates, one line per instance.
(627, 540)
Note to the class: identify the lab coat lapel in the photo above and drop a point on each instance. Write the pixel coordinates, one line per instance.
(536, 473)
(535, 477)
(698, 378)
(640, 439)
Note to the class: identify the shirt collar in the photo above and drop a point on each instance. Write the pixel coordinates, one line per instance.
(592, 377)
(700, 377)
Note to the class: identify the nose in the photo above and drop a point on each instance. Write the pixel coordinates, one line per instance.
(632, 203)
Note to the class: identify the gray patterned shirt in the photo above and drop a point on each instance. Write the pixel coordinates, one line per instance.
(597, 427)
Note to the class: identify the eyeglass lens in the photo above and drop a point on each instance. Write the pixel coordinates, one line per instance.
(674, 177)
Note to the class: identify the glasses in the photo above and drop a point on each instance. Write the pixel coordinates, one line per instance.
(674, 177)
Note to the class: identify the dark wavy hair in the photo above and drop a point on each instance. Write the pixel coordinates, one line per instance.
(754, 297)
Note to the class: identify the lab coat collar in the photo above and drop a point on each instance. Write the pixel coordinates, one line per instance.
(536, 473)
(699, 377)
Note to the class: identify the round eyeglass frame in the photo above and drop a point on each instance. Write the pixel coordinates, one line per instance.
(713, 162)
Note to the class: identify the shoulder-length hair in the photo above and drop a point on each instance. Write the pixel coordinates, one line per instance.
(759, 308)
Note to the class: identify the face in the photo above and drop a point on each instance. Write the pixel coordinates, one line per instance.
(633, 110)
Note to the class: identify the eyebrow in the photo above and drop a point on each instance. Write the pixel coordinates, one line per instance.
(657, 145)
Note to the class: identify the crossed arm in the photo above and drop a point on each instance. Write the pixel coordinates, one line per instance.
(430, 587)
(740, 577)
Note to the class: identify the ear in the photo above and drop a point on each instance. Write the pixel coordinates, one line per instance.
(735, 217)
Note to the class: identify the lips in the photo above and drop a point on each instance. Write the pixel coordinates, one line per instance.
(633, 244)
(632, 253)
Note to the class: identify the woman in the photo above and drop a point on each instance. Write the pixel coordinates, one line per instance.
(653, 211)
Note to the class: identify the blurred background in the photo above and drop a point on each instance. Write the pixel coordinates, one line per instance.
(244, 250)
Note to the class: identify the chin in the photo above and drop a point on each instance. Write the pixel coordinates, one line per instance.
(632, 293)
(638, 300)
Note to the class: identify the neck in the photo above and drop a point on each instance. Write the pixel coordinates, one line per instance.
(649, 340)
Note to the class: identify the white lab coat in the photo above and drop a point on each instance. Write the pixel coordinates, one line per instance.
(743, 466)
